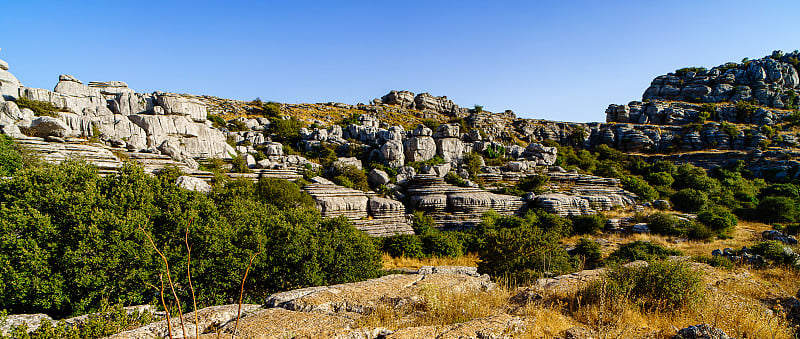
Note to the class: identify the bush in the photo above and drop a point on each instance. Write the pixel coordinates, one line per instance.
(10, 157)
(454, 179)
(533, 183)
(404, 245)
(660, 179)
(666, 224)
(422, 223)
(641, 250)
(39, 108)
(776, 209)
(717, 261)
(472, 163)
(271, 110)
(286, 129)
(589, 251)
(689, 200)
(350, 120)
(441, 244)
(352, 177)
(661, 285)
(775, 252)
(524, 248)
(72, 238)
(588, 224)
(640, 187)
(216, 120)
(719, 220)
(282, 193)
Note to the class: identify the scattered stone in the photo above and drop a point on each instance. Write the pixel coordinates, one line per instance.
(193, 184)
(377, 177)
(702, 331)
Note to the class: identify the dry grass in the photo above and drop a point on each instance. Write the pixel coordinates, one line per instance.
(390, 263)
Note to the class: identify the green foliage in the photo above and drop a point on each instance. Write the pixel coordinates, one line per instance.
(775, 252)
(690, 176)
(730, 129)
(454, 179)
(271, 110)
(422, 223)
(10, 157)
(110, 320)
(661, 285)
(495, 151)
(640, 187)
(442, 244)
(690, 200)
(533, 183)
(472, 163)
(578, 135)
(350, 120)
(216, 120)
(720, 220)
(286, 129)
(589, 251)
(404, 245)
(430, 123)
(524, 248)
(351, 177)
(237, 125)
(588, 224)
(682, 72)
(641, 250)
(72, 238)
(39, 108)
(660, 179)
(239, 164)
(745, 109)
(773, 209)
(418, 165)
(282, 193)
(477, 108)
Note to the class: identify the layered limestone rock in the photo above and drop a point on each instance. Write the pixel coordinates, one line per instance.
(578, 194)
(373, 215)
(423, 102)
(767, 81)
(454, 207)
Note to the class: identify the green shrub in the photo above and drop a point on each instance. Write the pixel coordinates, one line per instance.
(533, 183)
(282, 193)
(639, 187)
(745, 109)
(404, 245)
(589, 251)
(718, 219)
(441, 244)
(495, 151)
(681, 72)
(641, 250)
(454, 179)
(72, 238)
(660, 179)
(216, 120)
(588, 224)
(689, 200)
(661, 285)
(777, 209)
(286, 129)
(666, 224)
(271, 110)
(423, 224)
(10, 157)
(524, 248)
(774, 251)
(472, 163)
(430, 123)
(350, 120)
(352, 177)
(239, 164)
(39, 108)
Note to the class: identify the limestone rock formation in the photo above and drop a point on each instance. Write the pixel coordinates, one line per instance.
(193, 184)
(9, 85)
(388, 217)
(455, 207)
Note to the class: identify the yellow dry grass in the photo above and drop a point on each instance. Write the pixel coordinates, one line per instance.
(390, 263)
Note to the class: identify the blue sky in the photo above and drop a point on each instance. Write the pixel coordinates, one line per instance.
(562, 60)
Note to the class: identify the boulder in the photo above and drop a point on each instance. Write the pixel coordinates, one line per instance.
(49, 126)
(563, 205)
(392, 153)
(9, 85)
(544, 155)
(420, 148)
(377, 177)
(345, 162)
(450, 149)
(404, 99)
(111, 87)
(447, 131)
(180, 105)
(193, 184)
(701, 331)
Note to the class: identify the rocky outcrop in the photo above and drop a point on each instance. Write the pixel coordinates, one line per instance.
(455, 207)
(208, 319)
(9, 85)
(373, 215)
(423, 102)
(767, 81)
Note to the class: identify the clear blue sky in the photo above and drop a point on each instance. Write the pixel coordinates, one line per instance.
(561, 60)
